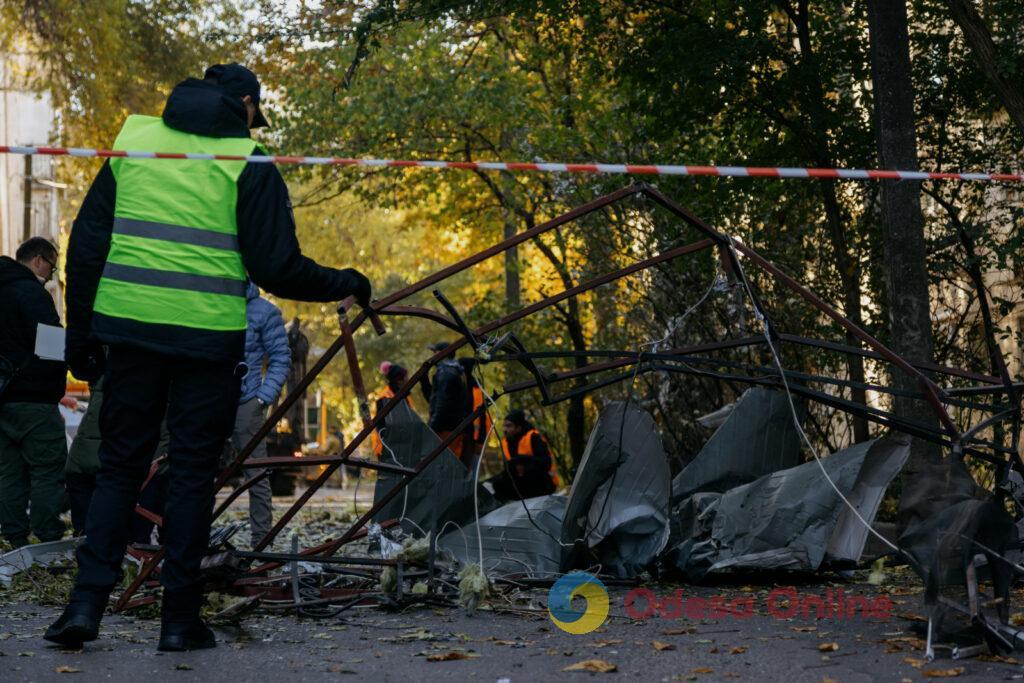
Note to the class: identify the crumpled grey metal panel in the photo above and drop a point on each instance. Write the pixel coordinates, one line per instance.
(442, 492)
(757, 438)
(619, 501)
(519, 538)
(783, 520)
(884, 459)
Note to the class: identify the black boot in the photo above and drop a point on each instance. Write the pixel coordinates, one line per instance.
(176, 637)
(181, 627)
(79, 624)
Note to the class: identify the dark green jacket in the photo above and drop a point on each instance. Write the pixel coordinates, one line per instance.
(84, 454)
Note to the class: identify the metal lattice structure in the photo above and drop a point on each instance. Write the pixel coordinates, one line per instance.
(995, 395)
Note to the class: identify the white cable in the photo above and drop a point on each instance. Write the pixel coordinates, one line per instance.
(792, 407)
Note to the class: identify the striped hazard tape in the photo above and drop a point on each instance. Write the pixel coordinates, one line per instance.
(622, 169)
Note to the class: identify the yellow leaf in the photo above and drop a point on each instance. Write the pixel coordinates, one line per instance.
(943, 673)
(914, 662)
(661, 645)
(447, 656)
(738, 650)
(67, 670)
(605, 642)
(679, 631)
(703, 670)
(597, 666)
(1002, 659)
(828, 647)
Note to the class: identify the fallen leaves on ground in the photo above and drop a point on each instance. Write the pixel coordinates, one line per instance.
(67, 670)
(738, 650)
(448, 656)
(703, 670)
(910, 616)
(828, 647)
(1001, 659)
(915, 662)
(605, 642)
(662, 645)
(803, 629)
(679, 631)
(183, 667)
(897, 644)
(943, 673)
(598, 666)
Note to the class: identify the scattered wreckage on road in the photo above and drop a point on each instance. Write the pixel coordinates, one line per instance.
(749, 501)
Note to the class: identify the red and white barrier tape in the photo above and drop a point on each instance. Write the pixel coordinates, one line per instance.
(635, 169)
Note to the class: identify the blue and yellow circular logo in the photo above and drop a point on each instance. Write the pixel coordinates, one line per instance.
(586, 586)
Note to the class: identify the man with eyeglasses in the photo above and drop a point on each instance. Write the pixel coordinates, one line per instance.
(33, 447)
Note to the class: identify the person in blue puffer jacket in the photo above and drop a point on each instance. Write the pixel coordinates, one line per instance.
(266, 344)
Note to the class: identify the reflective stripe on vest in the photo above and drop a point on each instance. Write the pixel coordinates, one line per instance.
(525, 449)
(174, 257)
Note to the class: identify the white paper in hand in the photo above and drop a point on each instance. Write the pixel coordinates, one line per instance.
(49, 342)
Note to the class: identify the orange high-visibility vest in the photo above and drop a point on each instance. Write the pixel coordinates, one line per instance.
(481, 425)
(525, 448)
(378, 445)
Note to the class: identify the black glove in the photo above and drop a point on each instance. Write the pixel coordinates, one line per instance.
(359, 285)
(87, 361)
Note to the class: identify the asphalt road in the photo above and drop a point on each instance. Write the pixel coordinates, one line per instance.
(523, 646)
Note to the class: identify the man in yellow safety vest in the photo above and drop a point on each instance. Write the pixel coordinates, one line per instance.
(157, 266)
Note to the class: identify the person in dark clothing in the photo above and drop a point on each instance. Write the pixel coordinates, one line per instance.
(84, 462)
(395, 376)
(450, 402)
(33, 446)
(529, 464)
(157, 266)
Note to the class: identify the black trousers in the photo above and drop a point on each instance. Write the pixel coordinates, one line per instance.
(79, 487)
(200, 399)
(532, 484)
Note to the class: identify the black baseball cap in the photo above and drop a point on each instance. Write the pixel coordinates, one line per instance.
(237, 81)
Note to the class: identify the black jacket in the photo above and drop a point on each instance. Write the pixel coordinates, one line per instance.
(450, 400)
(266, 237)
(24, 303)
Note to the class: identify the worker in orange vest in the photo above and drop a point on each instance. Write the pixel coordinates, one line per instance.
(481, 427)
(529, 463)
(395, 376)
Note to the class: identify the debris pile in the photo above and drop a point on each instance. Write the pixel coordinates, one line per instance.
(747, 502)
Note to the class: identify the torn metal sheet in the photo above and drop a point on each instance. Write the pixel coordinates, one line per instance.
(782, 521)
(42, 554)
(950, 521)
(521, 537)
(758, 437)
(619, 502)
(443, 492)
(884, 459)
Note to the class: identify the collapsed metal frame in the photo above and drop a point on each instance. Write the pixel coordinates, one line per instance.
(677, 360)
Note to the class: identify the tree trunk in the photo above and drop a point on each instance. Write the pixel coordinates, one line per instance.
(979, 39)
(512, 289)
(906, 271)
(847, 264)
